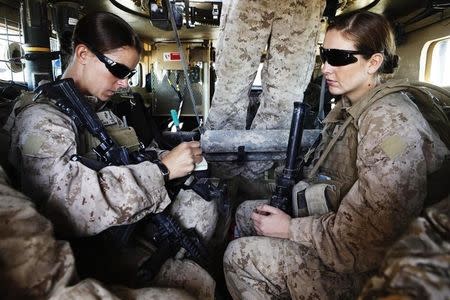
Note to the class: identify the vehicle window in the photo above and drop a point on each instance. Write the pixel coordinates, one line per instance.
(436, 67)
(136, 79)
(10, 41)
(56, 63)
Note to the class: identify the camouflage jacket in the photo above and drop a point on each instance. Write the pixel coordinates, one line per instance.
(417, 266)
(78, 200)
(384, 175)
(32, 261)
(36, 266)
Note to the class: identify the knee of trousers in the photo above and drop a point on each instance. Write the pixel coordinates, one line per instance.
(188, 275)
(192, 211)
(244, 213)
(246, 208)
(235, 253)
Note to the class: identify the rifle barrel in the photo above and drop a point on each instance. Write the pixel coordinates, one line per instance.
(295, 135)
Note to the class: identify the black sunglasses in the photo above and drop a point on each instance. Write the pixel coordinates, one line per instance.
(117, 69)
(338, 57)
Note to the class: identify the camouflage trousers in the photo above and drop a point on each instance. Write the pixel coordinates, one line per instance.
(120, 265)
(191, 211)
(272, 268)
(288, 32)
(259, 267)
(92, 289)
(187, 275)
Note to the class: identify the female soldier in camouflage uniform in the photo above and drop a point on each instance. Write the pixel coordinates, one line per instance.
(374, 176)
(81, 201)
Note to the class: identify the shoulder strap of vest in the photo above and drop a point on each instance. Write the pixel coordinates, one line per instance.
(328, 148)
(379, 92)
(26, 99)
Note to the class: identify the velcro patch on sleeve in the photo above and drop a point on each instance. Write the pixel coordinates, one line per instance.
(32, 145)
(393, 146)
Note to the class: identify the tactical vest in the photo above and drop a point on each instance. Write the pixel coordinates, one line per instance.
(334, 162)
(338, 164)
(122, 134)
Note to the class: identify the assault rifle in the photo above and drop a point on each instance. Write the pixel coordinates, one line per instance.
(71, 102)
(282, 197)
(170, 238)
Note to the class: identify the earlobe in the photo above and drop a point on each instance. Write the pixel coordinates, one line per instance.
(81, 53)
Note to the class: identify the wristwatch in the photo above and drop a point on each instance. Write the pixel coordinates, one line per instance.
(164, 171)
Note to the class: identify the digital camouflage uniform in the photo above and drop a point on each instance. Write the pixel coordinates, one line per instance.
(36, 266)
(289, 29)
(379, 166)
(417, 266)
(80, 201)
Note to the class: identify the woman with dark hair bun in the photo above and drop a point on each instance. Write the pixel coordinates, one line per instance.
(82, 202)
(366, 181)
(106, 51)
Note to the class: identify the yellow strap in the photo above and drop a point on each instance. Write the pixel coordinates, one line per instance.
(36, 49)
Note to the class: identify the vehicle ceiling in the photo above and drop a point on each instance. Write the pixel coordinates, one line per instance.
(393, 9)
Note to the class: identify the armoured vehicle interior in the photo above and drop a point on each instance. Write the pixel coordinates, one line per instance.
(175, 77)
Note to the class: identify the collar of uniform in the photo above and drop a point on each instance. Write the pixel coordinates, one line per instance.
(356, 110)
(339, 112)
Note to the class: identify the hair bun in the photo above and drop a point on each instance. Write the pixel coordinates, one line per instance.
(390, 63)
